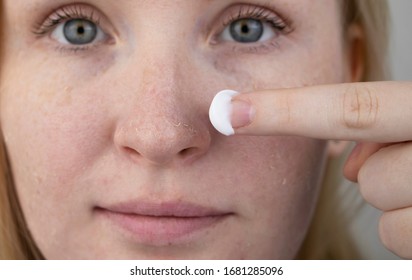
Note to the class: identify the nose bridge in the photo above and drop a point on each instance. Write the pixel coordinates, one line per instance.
(161, 89)
(160, 76)
(160, 58)
(164, 122)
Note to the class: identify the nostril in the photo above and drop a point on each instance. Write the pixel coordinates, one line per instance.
(184, 154)
(158, 145)
(132, 153)
(188, 152)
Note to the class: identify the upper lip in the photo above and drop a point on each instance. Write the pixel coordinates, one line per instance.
(178, 209)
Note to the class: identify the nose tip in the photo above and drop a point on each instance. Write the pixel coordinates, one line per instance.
(163, 142)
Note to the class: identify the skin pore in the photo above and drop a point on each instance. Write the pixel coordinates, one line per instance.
(125, 120)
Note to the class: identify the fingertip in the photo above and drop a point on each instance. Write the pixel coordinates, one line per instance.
(350, 171)
(358, 157)
(352, 164)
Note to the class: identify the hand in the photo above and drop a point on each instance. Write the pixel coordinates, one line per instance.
(377, 114)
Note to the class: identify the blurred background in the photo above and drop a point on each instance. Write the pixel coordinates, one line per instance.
(401, 41)
(365, 226)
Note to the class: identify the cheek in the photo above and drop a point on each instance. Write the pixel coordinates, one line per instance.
(55, 132)
(273, 182)
(280, 169)
(52, 129)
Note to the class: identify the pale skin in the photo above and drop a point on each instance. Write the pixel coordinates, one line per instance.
(127, 120)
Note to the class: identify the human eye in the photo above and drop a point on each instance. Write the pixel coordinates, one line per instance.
(75, 27)
(253, 25)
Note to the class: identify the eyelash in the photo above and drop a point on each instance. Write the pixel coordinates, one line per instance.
(279, 23)
(259, 13)
(65, 14)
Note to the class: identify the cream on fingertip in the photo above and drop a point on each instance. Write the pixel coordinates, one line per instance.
(220, 111)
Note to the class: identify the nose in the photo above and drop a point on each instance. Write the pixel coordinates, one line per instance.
(165, 123)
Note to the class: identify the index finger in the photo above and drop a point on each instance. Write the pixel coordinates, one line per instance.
(376, 111)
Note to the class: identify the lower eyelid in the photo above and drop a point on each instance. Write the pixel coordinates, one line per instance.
(261, 48)
(234, 48)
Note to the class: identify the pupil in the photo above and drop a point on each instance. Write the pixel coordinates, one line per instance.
(245, 28)
(80, 30)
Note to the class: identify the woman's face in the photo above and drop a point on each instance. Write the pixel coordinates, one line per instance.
(105, 119)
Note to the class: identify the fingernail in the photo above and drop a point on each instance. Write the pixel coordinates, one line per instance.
(225, 114)
(356, 151)
(242, 113)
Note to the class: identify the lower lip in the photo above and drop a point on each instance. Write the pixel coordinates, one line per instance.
(160, 231)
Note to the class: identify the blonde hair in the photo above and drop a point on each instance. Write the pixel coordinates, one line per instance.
(15, 239)
(327, 237)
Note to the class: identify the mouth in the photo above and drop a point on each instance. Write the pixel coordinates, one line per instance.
(165, 223)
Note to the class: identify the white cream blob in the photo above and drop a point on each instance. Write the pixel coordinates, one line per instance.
(220, 111)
